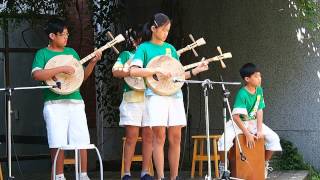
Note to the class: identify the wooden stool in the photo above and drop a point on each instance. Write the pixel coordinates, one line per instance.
(134, 158)
(1, 175)
(204, 157)
(69, 161)
(253, 167)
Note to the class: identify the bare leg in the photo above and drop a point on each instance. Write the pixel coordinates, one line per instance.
(268, 155)
(84, 160)
(159, 137)
(132, 133)
(59, 163)
(146, 147)
(174, 136)
(221, 154)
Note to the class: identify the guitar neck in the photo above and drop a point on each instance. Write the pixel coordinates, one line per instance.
(190, 66)
(215, 58)
(187, 48)
(101, 49)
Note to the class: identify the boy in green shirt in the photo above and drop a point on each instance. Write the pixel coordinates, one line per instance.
(248, 117)
(64, 114)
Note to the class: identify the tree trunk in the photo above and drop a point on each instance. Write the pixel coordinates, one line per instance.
(79, 19)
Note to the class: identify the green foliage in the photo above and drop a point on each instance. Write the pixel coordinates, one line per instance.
(33, 7)
(31, 10)
(108, 16)
(308, 12)
(290, 159)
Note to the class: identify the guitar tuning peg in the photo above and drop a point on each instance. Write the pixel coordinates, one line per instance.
(223, 65)
(193, 50)
(111, 36)
(191, 37)
(219, 50)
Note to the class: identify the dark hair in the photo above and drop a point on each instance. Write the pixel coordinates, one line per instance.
(55, 25)
(132, 34)
(157, 20)
(248, 69)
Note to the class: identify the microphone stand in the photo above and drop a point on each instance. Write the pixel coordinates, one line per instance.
(207, 84)
(8, 92)
(226, 173)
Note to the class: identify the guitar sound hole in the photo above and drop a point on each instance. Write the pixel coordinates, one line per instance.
(155, 77)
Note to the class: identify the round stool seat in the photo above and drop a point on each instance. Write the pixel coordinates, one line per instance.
(77, 158)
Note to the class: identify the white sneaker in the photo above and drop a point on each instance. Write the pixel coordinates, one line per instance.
(221, 168)
(60, 178)
(84, 177)
(267, 168)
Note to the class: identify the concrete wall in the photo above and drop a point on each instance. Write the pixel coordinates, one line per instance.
(262, 32)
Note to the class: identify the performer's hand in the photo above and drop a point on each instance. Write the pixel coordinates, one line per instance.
(67, 69)
(250, 140)
(163, 73)
(203, 66)
(98, 55)
(259, 134)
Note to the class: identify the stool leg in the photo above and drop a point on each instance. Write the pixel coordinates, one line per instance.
(215, 158)
(100, 161)
(55, 163)
(201, 154)
(1, 175)
(80, 171)
(122, 162)
(194, 157)
(77, 163)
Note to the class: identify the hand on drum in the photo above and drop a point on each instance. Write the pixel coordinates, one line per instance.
(97, 57)
(250, 140)
(203, 66)
(259, 134)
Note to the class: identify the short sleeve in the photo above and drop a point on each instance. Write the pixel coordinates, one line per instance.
(262, 105)
(38, 61)
(122, 59)
(239, 106)
(139, 57)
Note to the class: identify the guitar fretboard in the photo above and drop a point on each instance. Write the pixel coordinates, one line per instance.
(216, 58)
(108, 45)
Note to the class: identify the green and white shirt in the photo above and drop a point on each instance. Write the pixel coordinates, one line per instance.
(121, 61)
(40, 60)
(247, 104)
(130, 95)
(147, 51)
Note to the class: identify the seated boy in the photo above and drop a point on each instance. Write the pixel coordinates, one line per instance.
(248, 117)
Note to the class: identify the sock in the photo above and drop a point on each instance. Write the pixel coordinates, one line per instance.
(82, 174)
(144, 172)
(60, 176)
(127, 173)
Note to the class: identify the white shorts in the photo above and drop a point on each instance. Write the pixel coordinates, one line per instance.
(164, 111)
(66, 124)
(272, 140)
(131, 113)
